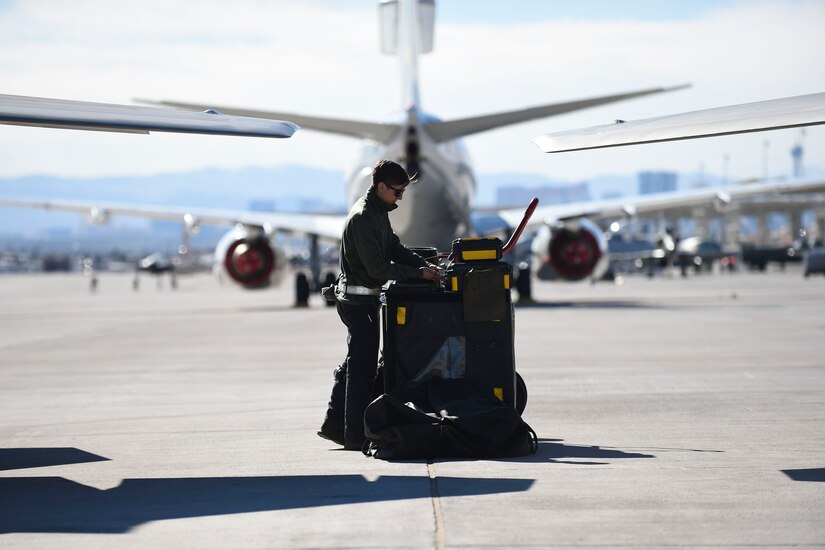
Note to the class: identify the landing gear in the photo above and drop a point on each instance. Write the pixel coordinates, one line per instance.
(308, 280)
(524, 284)
(302, 290)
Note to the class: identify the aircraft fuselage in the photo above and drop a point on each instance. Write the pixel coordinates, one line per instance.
(436, 208)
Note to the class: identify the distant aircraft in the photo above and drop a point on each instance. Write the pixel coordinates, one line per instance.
(691, 254)
(568, 245)
(184, 262)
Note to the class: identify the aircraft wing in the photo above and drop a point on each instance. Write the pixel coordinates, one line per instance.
(646, 204)
(445, 130)
(375, 131)
(84, 115)
(323, 225)
(789, 112)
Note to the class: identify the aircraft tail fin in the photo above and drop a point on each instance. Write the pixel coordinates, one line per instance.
(453, 129)
(389, 16)
(375, 131)
(407, 28)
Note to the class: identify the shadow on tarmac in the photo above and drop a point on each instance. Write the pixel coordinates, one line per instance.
(590, 305)
(16, 459)
(807, 474)
(59, 505)
(550, 450)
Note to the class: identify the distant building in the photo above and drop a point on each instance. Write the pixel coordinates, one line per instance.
(262, 205)
(657, 182)
(515, 195)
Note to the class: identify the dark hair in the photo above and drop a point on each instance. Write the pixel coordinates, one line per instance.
(391, 173)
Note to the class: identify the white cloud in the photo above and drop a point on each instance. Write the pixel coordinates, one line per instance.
(318, 58)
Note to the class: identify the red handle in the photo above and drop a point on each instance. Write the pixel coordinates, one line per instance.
(517, 233)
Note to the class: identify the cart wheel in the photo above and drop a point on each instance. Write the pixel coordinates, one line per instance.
(521, 394)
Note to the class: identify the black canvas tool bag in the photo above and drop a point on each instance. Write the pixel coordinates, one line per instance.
(468, 333)
(455, 419)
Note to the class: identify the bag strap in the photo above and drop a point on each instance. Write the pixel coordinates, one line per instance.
(534, 439)
(369, 448)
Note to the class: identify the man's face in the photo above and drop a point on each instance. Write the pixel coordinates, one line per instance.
(391, 194)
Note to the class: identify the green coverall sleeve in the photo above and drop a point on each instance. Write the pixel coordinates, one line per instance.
(372, 254)
(403, 255)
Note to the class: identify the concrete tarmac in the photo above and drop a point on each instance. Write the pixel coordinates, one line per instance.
(672, 413)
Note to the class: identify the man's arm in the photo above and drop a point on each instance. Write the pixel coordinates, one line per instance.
(371, 253)
(403, 255)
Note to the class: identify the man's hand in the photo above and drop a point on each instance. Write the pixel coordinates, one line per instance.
(429, 273)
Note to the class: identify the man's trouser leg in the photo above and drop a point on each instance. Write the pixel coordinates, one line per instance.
(362, 361)
(333, 426)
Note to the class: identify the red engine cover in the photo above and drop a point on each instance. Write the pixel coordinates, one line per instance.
(250, 261)
(574, 254)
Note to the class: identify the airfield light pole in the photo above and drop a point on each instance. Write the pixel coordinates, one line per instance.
(725, 167)
(797, 154)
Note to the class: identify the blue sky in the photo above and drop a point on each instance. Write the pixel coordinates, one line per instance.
(525, 11)
(322, 58)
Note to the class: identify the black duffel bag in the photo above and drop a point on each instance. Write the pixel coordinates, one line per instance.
(456, 419)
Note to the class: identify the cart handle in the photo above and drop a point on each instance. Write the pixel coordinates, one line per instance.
(517, 233)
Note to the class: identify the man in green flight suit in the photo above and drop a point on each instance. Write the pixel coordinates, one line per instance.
(371, 254)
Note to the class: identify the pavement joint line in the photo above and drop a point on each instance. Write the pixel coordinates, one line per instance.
(440, 538)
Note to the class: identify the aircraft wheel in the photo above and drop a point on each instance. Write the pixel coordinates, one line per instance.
(521, 394)
(301, 290)
(524, 285)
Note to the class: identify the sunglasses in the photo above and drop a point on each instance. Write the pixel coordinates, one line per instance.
(398, 192)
